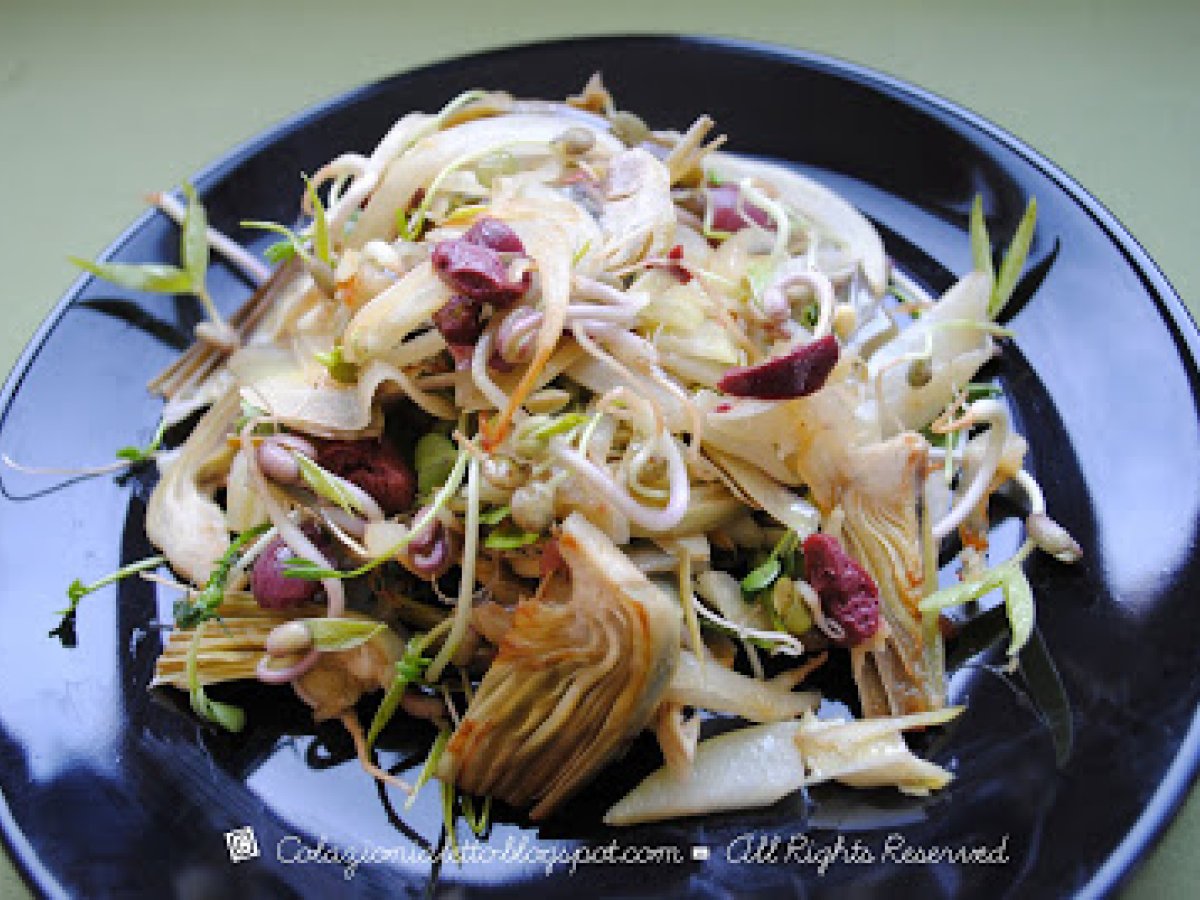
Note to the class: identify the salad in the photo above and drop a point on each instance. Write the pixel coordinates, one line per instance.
(553, 429)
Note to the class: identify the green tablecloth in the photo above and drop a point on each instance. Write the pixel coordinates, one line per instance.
(101, 102)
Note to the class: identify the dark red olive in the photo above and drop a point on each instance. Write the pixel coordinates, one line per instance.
(796, 374)
(848, 594)
(376, 467)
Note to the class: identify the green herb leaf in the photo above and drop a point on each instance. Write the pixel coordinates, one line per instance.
(154, 278)
(331, 635)
(327, 485)
(433, 458)
(509, 537)
(762, 577)
(142, 454)
(981, 243)
(191, 612)
(321, 244)
(231, 718)
(1014, 260)
(193, 239)
(340, 370)
(495, 516)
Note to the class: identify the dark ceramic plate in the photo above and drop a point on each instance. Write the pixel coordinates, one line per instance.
(112, 792)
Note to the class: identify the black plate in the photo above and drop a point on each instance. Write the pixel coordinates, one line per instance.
(111, 792)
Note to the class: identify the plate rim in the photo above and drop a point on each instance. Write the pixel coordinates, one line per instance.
(1181, 775)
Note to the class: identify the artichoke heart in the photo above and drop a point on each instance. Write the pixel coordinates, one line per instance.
(575, 679)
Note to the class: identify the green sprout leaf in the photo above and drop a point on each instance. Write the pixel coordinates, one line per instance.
(510, 537)
(280, 251)
(153, 278)
(193, 240)
(326, 484)
(433, 458)
(191, 612)
(77, 590)
(332, 635)
(1014, 261)
(981, 243)
(340, 370)
(495, 515)
(762, 576)
(231, 718)
(321, 243)
(1018, 599)
(292, 240)
(431, 764)
(143, 454)
(560, 425)
(409, 669)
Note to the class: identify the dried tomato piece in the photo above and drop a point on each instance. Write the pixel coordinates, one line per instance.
(796, 374)
(374, 466)
(848, 594)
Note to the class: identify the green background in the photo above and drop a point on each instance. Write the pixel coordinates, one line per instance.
(102, 102)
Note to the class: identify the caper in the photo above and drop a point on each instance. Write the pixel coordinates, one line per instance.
(576, 141)
(920, 372)
(629, 128)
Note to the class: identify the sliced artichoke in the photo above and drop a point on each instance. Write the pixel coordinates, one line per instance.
(182, 519)
(574, 680)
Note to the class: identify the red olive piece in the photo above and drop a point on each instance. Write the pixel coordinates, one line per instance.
(726, 214)
(847, 591)
(796, 374)
(460, 320)
(374, 466)
(495, 235)
(478, 272)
